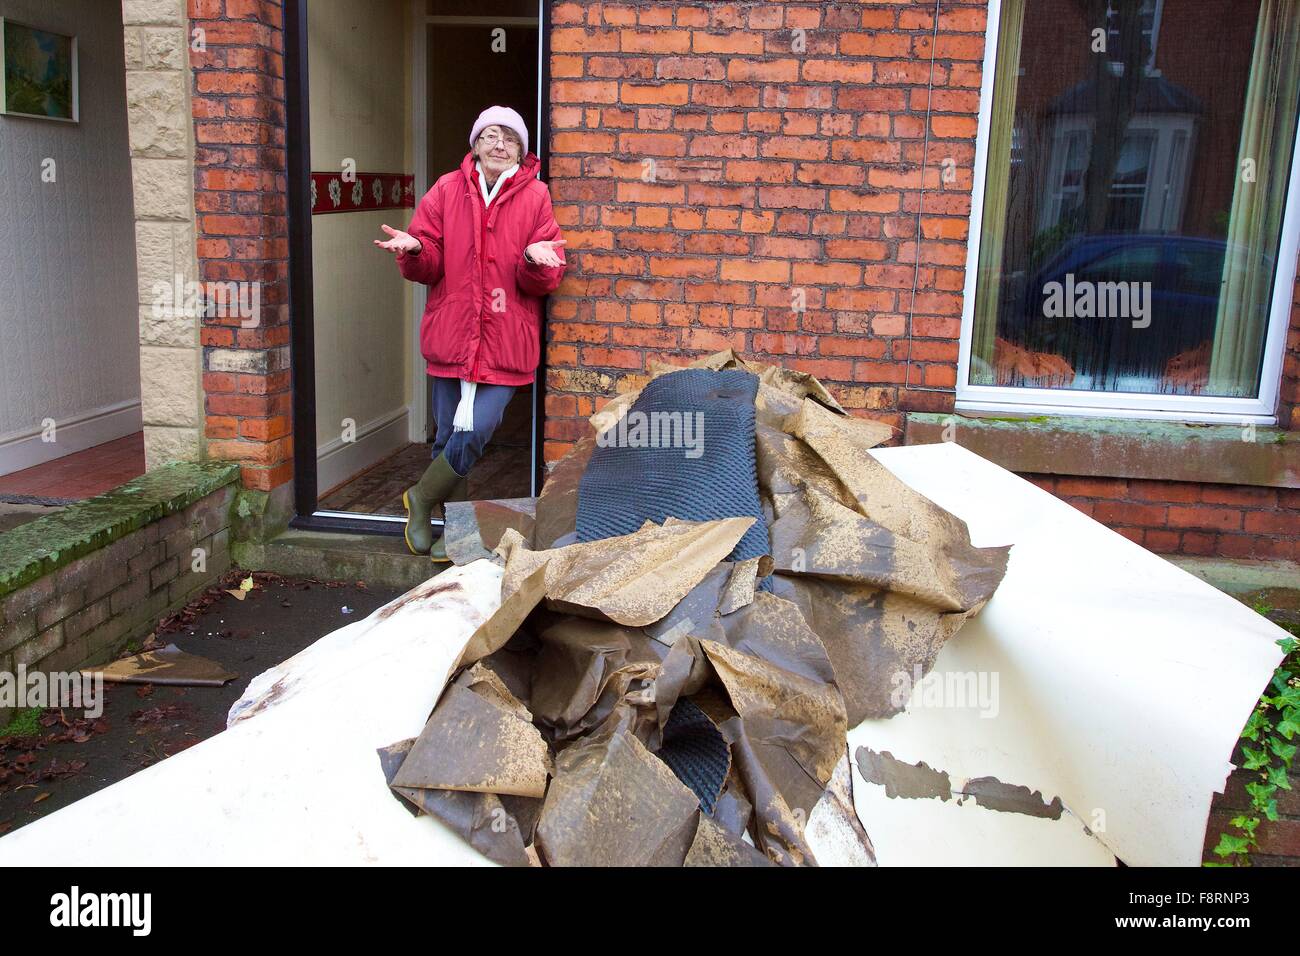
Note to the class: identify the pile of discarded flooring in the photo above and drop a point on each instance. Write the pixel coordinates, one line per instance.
(680, 692)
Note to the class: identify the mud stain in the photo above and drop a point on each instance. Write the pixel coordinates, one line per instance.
(992, 794)
(909, 781)
(389, 610)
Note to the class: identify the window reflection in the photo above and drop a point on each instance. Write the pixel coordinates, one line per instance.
(1135, 193)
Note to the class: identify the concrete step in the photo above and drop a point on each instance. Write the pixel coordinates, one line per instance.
(335, 556)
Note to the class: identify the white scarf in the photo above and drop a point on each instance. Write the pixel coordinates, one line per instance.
(464, 420)
(489, 195)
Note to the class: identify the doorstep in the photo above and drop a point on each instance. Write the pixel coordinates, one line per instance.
(381, 560)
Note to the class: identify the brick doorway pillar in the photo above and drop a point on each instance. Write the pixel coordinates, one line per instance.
(240, 186)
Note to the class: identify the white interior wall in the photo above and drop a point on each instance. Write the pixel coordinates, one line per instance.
(359, 63)
(69, 340)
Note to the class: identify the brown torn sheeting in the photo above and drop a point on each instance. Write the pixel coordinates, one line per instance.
(773, 630)
(488, 822)
(782, 381)
(633, 579)
(499, 827)
(584, 668)
(167, 665)
(697, 614)
(472, 743)
(971, 573)
(742, 581)
(685, 672)
(763, 690)
(734, 811)
(916, 781)
(877, 641)
(513, 664)
(473, 529)
(788, 469)
(992, 794)
(390, 761)
(613, 803)
(715, 846)
(515, 607)
(725, 589)
(488, 684)
(597, 644)
(838, 439)
(820, 537)
(782, 793)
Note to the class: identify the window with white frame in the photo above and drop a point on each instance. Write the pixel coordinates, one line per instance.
(1146, 19)
(1136, 218)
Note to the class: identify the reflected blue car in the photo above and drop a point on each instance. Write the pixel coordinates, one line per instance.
(1185, 276)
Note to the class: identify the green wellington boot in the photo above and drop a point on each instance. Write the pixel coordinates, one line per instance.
(433, 488)
(459, 492)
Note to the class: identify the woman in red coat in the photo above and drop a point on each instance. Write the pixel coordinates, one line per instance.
(485, 241)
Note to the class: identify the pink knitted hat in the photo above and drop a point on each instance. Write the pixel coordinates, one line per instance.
(501, 116)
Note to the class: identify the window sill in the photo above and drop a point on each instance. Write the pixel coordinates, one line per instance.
(1121, 448)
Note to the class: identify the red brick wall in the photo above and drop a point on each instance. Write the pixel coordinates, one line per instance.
(777, 170)
(240, 185)
(774, 170)
(1175, 517)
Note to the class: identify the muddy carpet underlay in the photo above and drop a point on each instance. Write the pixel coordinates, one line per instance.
(686, 451)
(640, 697)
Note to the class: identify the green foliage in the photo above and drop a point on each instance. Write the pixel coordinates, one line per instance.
(24, 724)
(1272, 724)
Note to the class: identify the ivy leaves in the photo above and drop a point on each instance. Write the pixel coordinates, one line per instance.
(1272, 725)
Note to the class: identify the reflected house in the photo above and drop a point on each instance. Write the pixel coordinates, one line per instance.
(1148, 189)
(1139, 242)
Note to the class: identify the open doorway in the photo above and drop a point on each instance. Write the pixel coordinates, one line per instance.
(376, 145)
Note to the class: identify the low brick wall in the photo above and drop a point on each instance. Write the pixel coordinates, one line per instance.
(1187, 518)
(76, 586)
(1221, 491)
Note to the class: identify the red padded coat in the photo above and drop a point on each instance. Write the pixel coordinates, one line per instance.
(483, 317)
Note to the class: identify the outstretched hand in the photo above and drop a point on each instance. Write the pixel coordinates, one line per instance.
(399, 241)
(546, 252)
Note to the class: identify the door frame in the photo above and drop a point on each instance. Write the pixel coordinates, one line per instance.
(301, 302)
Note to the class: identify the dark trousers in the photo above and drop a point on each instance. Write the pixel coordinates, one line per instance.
(465, 448)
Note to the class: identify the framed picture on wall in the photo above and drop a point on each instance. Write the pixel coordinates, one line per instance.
(39, 78)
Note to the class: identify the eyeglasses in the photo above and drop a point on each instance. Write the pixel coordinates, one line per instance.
(491, 139)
